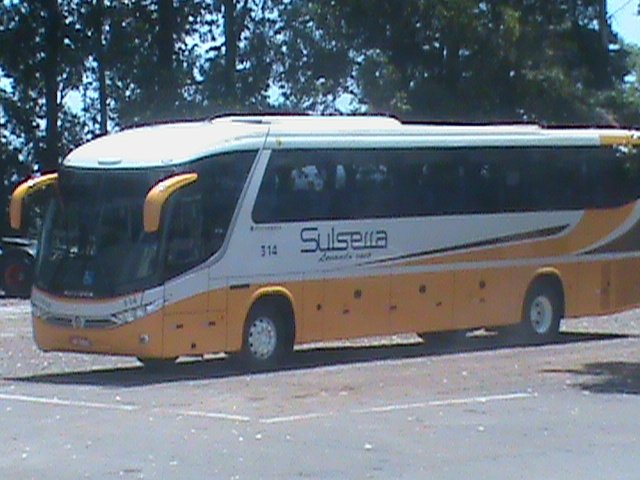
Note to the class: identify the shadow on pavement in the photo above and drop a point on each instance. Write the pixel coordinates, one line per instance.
(301, 360)
(607, 377)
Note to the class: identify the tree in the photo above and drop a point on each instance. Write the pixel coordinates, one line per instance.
(466, 60)
(147, 68)
(52, 38)
(236, 55)
(11, 171)
(45, 68)
(624, 99)
(97, 23)
(315, 65)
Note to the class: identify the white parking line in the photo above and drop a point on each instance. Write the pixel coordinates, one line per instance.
(489, 398)
(115, 406)
(405, 406)
(67, 403)
(442, 403)
(273, 420)
(220, 416)
(293, 418)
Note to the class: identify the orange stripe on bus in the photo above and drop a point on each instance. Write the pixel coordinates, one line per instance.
(593, 227)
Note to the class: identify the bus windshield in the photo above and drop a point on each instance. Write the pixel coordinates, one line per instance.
(93, 242)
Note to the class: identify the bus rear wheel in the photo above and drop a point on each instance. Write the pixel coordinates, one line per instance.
(541, 312)
(267, 336)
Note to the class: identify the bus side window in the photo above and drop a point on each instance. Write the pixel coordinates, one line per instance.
(336, 192)
(479, 192)
(303, 181)
(446, 181)
(427, 189)
(405, 191)
(341, 192)
(200, 214)
(372, 189)
(623, 177)
(296, 186)
(221, 182)
(273, 183)
(185, 244)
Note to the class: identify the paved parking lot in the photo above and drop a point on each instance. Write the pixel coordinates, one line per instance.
(382, 408)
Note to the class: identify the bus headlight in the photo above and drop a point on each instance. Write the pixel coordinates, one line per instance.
(133, 314)
(128, 316)
(37, 311)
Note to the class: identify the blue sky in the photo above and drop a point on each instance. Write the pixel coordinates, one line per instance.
(624, 19)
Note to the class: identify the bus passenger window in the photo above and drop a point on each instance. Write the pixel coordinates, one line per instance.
(296, 186)
(222, 180)
(184, 238)
(200, 215)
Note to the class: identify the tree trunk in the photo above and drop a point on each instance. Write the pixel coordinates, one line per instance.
(166, 83)
(603, 25)
(100, 60)
(53, 40)
(231, 48)
(573, 13)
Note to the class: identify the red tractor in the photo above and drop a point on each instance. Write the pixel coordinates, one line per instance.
(17, 259)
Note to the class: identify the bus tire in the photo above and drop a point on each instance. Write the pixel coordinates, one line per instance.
(542, 310)
(17, 274)
(268, 334)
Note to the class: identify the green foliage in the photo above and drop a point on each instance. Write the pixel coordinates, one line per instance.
(41, 54)
(314, 64)
(466, 60)
(624, 99)
(234, 71)
(146, 68)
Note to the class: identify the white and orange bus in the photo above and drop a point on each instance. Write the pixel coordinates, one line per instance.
(252, 234)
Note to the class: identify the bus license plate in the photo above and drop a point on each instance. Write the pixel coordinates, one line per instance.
(80, 342)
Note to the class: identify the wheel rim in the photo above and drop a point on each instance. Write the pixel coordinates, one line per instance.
(541, 315)
(262, 338)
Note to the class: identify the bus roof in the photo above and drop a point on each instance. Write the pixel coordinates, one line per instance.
(176, 143)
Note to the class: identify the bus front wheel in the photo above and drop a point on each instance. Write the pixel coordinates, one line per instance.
(267, 336)
(541, 312)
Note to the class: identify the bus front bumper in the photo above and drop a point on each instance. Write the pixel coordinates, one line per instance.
(141, 338)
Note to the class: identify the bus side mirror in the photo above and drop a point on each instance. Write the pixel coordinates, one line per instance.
(158, 196)
(22, 191)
